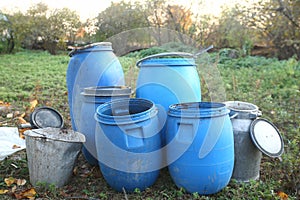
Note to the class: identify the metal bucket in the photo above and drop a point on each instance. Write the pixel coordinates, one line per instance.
(247, 155)
(51, 154)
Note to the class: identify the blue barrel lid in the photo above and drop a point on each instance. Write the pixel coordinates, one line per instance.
(198, 109)
(99, 46)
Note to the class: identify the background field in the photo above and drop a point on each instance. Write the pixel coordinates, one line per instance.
(271, 84)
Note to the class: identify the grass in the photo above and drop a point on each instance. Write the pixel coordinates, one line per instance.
(271, 84)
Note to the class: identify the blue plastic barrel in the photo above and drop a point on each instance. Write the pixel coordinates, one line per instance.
(128, 143)
(200, 152)
(92, 98)
(167, 81)
(91, 65)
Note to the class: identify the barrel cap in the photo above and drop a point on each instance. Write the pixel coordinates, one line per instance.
(266, 137)
(44, 117)
(101, 91)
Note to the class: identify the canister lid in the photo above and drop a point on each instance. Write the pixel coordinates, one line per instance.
(101, 91)
(44, 117)
(266, 137)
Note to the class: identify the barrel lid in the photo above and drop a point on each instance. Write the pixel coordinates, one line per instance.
(107, 91)
(44, 117)
(266, 137)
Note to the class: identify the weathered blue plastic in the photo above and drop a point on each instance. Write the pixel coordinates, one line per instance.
(92, 65)
(92, 98)
(128, 143)
(200, 149)
(167, 81)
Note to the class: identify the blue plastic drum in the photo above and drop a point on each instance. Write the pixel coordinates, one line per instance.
(168, 80)
(128, 143)
(200, 152)
(92, 98)
(91, 65)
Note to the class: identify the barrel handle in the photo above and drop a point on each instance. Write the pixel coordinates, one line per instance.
(74, 48)
(183, 54)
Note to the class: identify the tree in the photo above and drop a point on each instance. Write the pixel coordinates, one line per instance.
(230, 32)
(117, 18)
(278, 23)
(6, 35)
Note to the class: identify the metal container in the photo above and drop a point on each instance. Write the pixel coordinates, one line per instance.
(252, 136)
(51, 154)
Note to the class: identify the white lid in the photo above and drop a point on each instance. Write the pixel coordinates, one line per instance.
(266, 137)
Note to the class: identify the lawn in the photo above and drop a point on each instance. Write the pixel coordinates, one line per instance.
(271, 84)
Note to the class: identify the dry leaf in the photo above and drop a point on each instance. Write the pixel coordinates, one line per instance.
(23, 115)
(16, 146)
(13, 189)
(21, 132)
(9, 181)
(33, 104)
(4, 104)
(20, 182)
(29, 194)
(21, 120)
(4, 191)
(282, 195)
(9, 115)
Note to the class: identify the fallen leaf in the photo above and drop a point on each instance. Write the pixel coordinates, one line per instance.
(13, 189)
(282, 195)
(21, 132)
(4, 191)
(4, 104)
(20, 182)
(33, 104)
(9, 115)
(9, 181)
(22, 115)
(29, 194)
(16, 146)
(21, 120)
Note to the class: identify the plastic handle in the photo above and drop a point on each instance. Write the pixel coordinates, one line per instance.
(183, 54)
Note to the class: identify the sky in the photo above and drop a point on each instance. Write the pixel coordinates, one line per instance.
(90, 8)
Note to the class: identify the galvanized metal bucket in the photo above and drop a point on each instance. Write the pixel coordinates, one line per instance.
(51, 154)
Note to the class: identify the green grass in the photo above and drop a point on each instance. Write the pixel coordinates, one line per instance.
(270, 84)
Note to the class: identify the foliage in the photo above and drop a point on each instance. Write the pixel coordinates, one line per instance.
(278, 24)
(231, 33)
(115, 19)
(41, 28)
(6, 35)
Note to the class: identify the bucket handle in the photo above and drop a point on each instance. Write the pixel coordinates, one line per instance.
(182, 54)
(253, 114)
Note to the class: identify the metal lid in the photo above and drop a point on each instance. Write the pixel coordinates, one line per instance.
(101, 91)
(266, 137)
(44, 117)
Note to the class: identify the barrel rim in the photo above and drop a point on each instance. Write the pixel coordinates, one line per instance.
(128, 118)
(198, 109)
(158, 62)
(106, 91)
